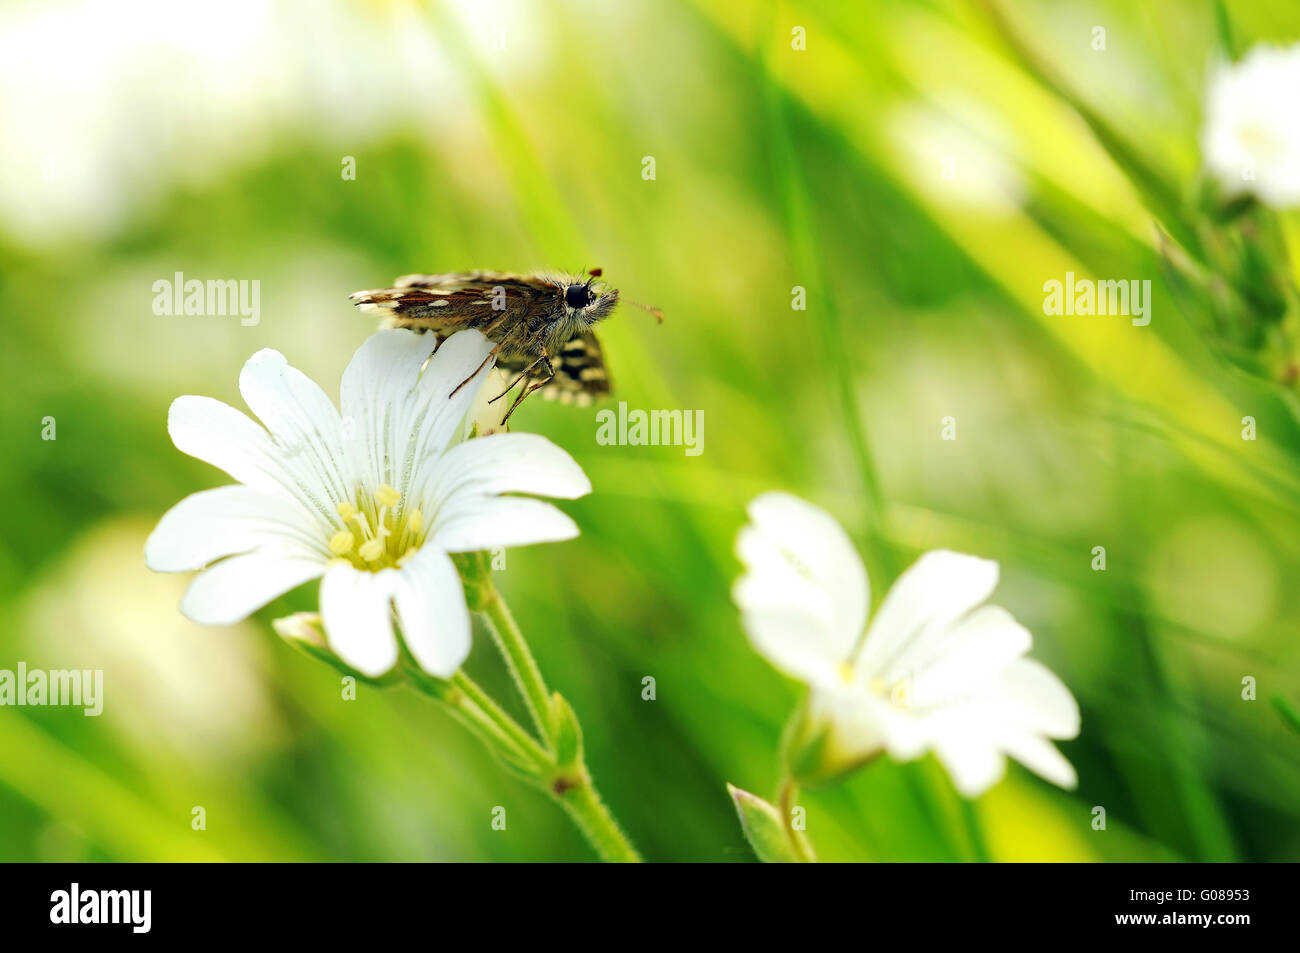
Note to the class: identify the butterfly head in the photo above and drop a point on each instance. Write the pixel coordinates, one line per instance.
(586, 302)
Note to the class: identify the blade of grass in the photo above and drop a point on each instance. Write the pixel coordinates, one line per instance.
(1287, 711)
(789, 180)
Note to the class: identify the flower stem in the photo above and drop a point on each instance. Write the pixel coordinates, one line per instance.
(511, 728)
(569, 783)
(497, 729)
(583, 804)
(556, 763)
(523, 667)
(802, 849)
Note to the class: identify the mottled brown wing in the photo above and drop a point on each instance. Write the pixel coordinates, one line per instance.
(453, 301)
(581, 377)
(580, 374)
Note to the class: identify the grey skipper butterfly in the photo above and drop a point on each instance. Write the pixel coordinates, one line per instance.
(541, 325)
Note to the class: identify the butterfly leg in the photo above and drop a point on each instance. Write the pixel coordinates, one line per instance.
(524, 393)
(526, 389)
(550, 372)
(511, 386)
(490, 354)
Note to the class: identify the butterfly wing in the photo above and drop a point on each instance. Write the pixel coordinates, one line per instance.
(580, 374)
(491, 301)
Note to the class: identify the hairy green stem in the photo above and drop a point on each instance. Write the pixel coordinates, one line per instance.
(572, 788)
(583, 804)
(498, 716)
(494, 731)
(519, 659)
(570, 784)
(798, 842)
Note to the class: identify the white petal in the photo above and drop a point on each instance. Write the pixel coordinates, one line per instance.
(500, 521)
(1251, 136)
(796, 645)
(1032, 698)
(376, 397)
(938, 589)
(431, 610)
(507, 463)
(435, 413)
(790, 618)
(384, 370)
(773, 582)
(240, 585)
(484, 415)
(1040, 756)
(973, 761)
(355, 607)
(1020, 704)
(858, 730)
(218, 434)
(230, 519)
(975, 649)
(907, 734)
(301, 419)
(800, 560)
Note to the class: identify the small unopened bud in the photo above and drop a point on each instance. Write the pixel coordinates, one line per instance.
(301, 627)
(763, 827)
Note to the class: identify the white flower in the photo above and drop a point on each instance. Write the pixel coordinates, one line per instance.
(934, 672)
(1251, 137)
(373, 501)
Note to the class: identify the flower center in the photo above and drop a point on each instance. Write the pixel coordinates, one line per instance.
(899, 692)
(379, 530)
(1260, 141)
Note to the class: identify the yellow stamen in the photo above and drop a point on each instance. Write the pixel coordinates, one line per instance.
(342, 542)
(846, 672)
(899, 695)
(377, 529)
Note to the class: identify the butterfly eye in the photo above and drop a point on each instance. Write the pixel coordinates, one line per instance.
(577, 296)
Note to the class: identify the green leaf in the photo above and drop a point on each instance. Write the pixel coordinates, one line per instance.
(763, 828)
(1287, 711)
(1161, 194)
(1224, 28)
(568, 733)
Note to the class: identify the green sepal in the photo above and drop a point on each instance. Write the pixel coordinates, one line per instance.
(763, 828)
(567, 733)
(322, 653)
(476, 577)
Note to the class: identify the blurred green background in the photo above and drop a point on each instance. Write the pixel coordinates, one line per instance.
(142, 139)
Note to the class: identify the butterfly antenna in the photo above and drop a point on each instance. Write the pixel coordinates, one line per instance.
(659, 315)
